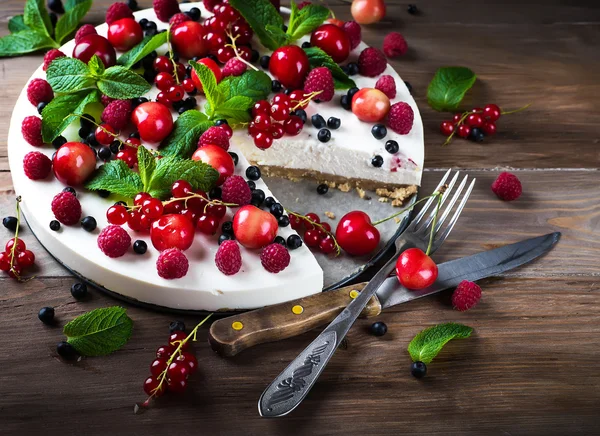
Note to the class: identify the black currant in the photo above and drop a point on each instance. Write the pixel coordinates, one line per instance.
(476, 135)
(253, 172)
(221, 122)
(40, 107)
(71, 190)
(279, 240)
(334, 123)
(114, 147)
(59, 142)
(56, 6)
(351, 92)
(269, 201)
(276, 210)
(408, 86)
(89, 223)
(264, 62)
(227, 227)
(54, 225)
(302, 114)
(10, 222)
(322, 189)
(258, 196)
(215, 193)
(352, 68)
(104, 153)
(103, 193)
(391, 146)
(176, 326)
(412, 9)
(306, 44)
(346, 102)
(379, 131)
(276, 86)
(318, 121)
(66, 350)
(235, 157)
(378, 328)
(194, 14)
(79, 290)
(294, 241)
(46, 315)
(283, 221)
(324, 135)
(251, 185)
(377, 161)
(418, 369)
(224, 237)
(140, 247)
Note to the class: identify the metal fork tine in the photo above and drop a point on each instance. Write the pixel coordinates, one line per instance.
(459, 209)
(453, 200)
(428, 203)
(444, 197)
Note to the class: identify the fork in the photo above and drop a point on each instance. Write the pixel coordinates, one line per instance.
(290, 387)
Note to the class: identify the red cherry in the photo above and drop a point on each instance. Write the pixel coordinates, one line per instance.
(253, 227)
(181, 188)
(153, 121)
(91, 45)
(207, 224)
(293, 125)
(151, 387)
(124, 34)
(178, 371)
(158, 366)
(370, 105)
(172, 231)
(474, 120)
(312, 238)
(176, 338)
(188, 39)
(489, 128)
(74, 163)
(190, 360)
(152, 208)
(335, 22)
(289, 64)
(464, 131)
(332, 40)
(415, 269)
(217, 158)
(213, 67)
(117, 215)
(447, 127)
(25, 258)
(163, 64)
(356, 235)
(491, 112)
(20, 245)
(105, 134)
(164, 80)
(263, 140)
(367, 11)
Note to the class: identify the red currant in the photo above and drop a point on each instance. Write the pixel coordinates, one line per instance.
(312, 238)
(207, 224)
(128, 155)
(151, 387)
(165, 351)
(15, 271)
(188, 85)
(158, 366)
(216, 210)
(25, 258)
(20, 245)
(296, 97)
(191, 215)
(281, 98)
(227, 129)
(215, 40)
(327, 245)
(178, 371)
(456, 118)
(224, 54)
(163, 98)
(262, 122)
(177, 386)
(491, 112)
(295, 222)
(105, 134)
(261, 107)
(175, 93)
(134, 220)
(280, 111)
(140, 197)
(152, 208)
(181, 188)
(474, 120)
(134, 142)
(4, 261)
(227, 13)
(245, 53)
(242, 31)
(489, 128)
(190, 360)
(176, 338)
(447, 127)
(263, 140)
(464, 131)
(313, 217)
(164, 81)
(117, 215)
(162, 64)
(415, 269)
(276, 130)
(293, 125)
(174, 207)
(326, 227)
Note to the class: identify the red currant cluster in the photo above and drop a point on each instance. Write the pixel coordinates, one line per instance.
(15, 257)
(106, 135)
(283, 115)
(316, 234)
(171, 80)
(226, 23)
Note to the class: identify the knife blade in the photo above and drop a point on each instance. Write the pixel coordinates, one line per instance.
(231, 335)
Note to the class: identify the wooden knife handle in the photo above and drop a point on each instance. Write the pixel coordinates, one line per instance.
(229, 336)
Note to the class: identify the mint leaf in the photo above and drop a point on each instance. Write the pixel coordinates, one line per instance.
(259, 14)
(36, 17)
(428, 343)
(23, 42)
(117, 178)
(318, 58)
(253, 84)
(143, 49)
(120, 83)
(448, 87)
(71, 18)
(183, 139)
(67, 75)
(16, 24)
(96, 66)
(146, 166)
(236, 109)
(170, 169)
(62, 111)
(100, 331)
(70, 4)
(209, 86)
(304, 21)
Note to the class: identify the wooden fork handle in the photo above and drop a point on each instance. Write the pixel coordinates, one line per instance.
(229, 336)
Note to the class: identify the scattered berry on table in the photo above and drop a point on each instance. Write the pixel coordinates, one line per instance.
(46, 315)
(176, 326)
(228, 257)
(371, 62)
(466, 296)
(275, 258)
(79, 290)
(353, 31)
(10, 222)
(66, 351)
(54, 54)
(172, 264)
(400, 118)
(322, 189)
(116, 11)
(378, 328)
(507, 186)
(66, 208)
(387, 85)
(114, 241)
(412, 9)
(39, 91)
(394, 45)
(32, 130)
(37, 165)
(418, 369)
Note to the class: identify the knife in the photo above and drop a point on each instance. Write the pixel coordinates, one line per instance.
(231, 335)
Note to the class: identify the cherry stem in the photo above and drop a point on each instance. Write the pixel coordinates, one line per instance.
(338, 249)
(435, 216)
(176, 353)
(235, 50)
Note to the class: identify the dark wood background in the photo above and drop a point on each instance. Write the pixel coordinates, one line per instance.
(532, 366)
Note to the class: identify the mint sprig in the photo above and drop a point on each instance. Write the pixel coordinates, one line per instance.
(63, 110)
(183, 139)
(16, 24)
(253, 84)
(304, 21)
(99, 332)
(117, 178)
(448, 87)
(70, 19)
(318, 58)
(429, 342)
(143, 49)
(265, 21)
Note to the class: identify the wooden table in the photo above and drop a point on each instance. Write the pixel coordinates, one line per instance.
(532, 366)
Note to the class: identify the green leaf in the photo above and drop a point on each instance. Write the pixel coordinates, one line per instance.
(67, 75)
(117, 178)
(209, 86)
(71, 18)
(23, 42)
(259, 14)
(99, 332)
(183, 139)
(170, 169)
(70, 4)
(63, 110)
(96, 66)
(143, 49)
(304, 21)
(318, 58)
(448, 87)
(120, 83)
(428, 343)
(235, 109)
(36, 17)
(16, 24)
(146, 166)
(253, 84)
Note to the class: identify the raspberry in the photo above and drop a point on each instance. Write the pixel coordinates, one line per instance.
(215, 136)
(117, 113)
(114, 241)
(234, 67)
(228, 258)
(32, 131)
(37, 165)
(209, 5)
(400, 118)
(172, 264)
(466, 295)
(165, 9)
(354, 32)
(87, 29)
(387, 85)
(394, 45)
(371, 62)
(507, 187)
(51, 55)
(66, 208)
(320, 79)
(116, 11)
(235, 190)
(106, 100)
(39, 91)
(178, 19)
(275, 258)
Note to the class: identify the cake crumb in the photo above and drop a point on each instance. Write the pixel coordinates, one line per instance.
(397, 220)
(384, 200)
(362, 193)
(330, 215)
(398, 195)
(344, 187)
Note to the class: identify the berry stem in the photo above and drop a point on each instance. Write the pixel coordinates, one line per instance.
(13, 249)
(516, 110)
(114, 135)
(171, 56)
(306, 100)
(235, 50)
(338, 249)
(462, 119)
(435, 216)
(196, 195)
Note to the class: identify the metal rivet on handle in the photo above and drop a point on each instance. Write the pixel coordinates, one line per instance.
(297, 309)
(353, 294)
(237, 325)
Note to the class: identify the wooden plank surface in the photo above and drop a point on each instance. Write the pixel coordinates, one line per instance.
(532, 365)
